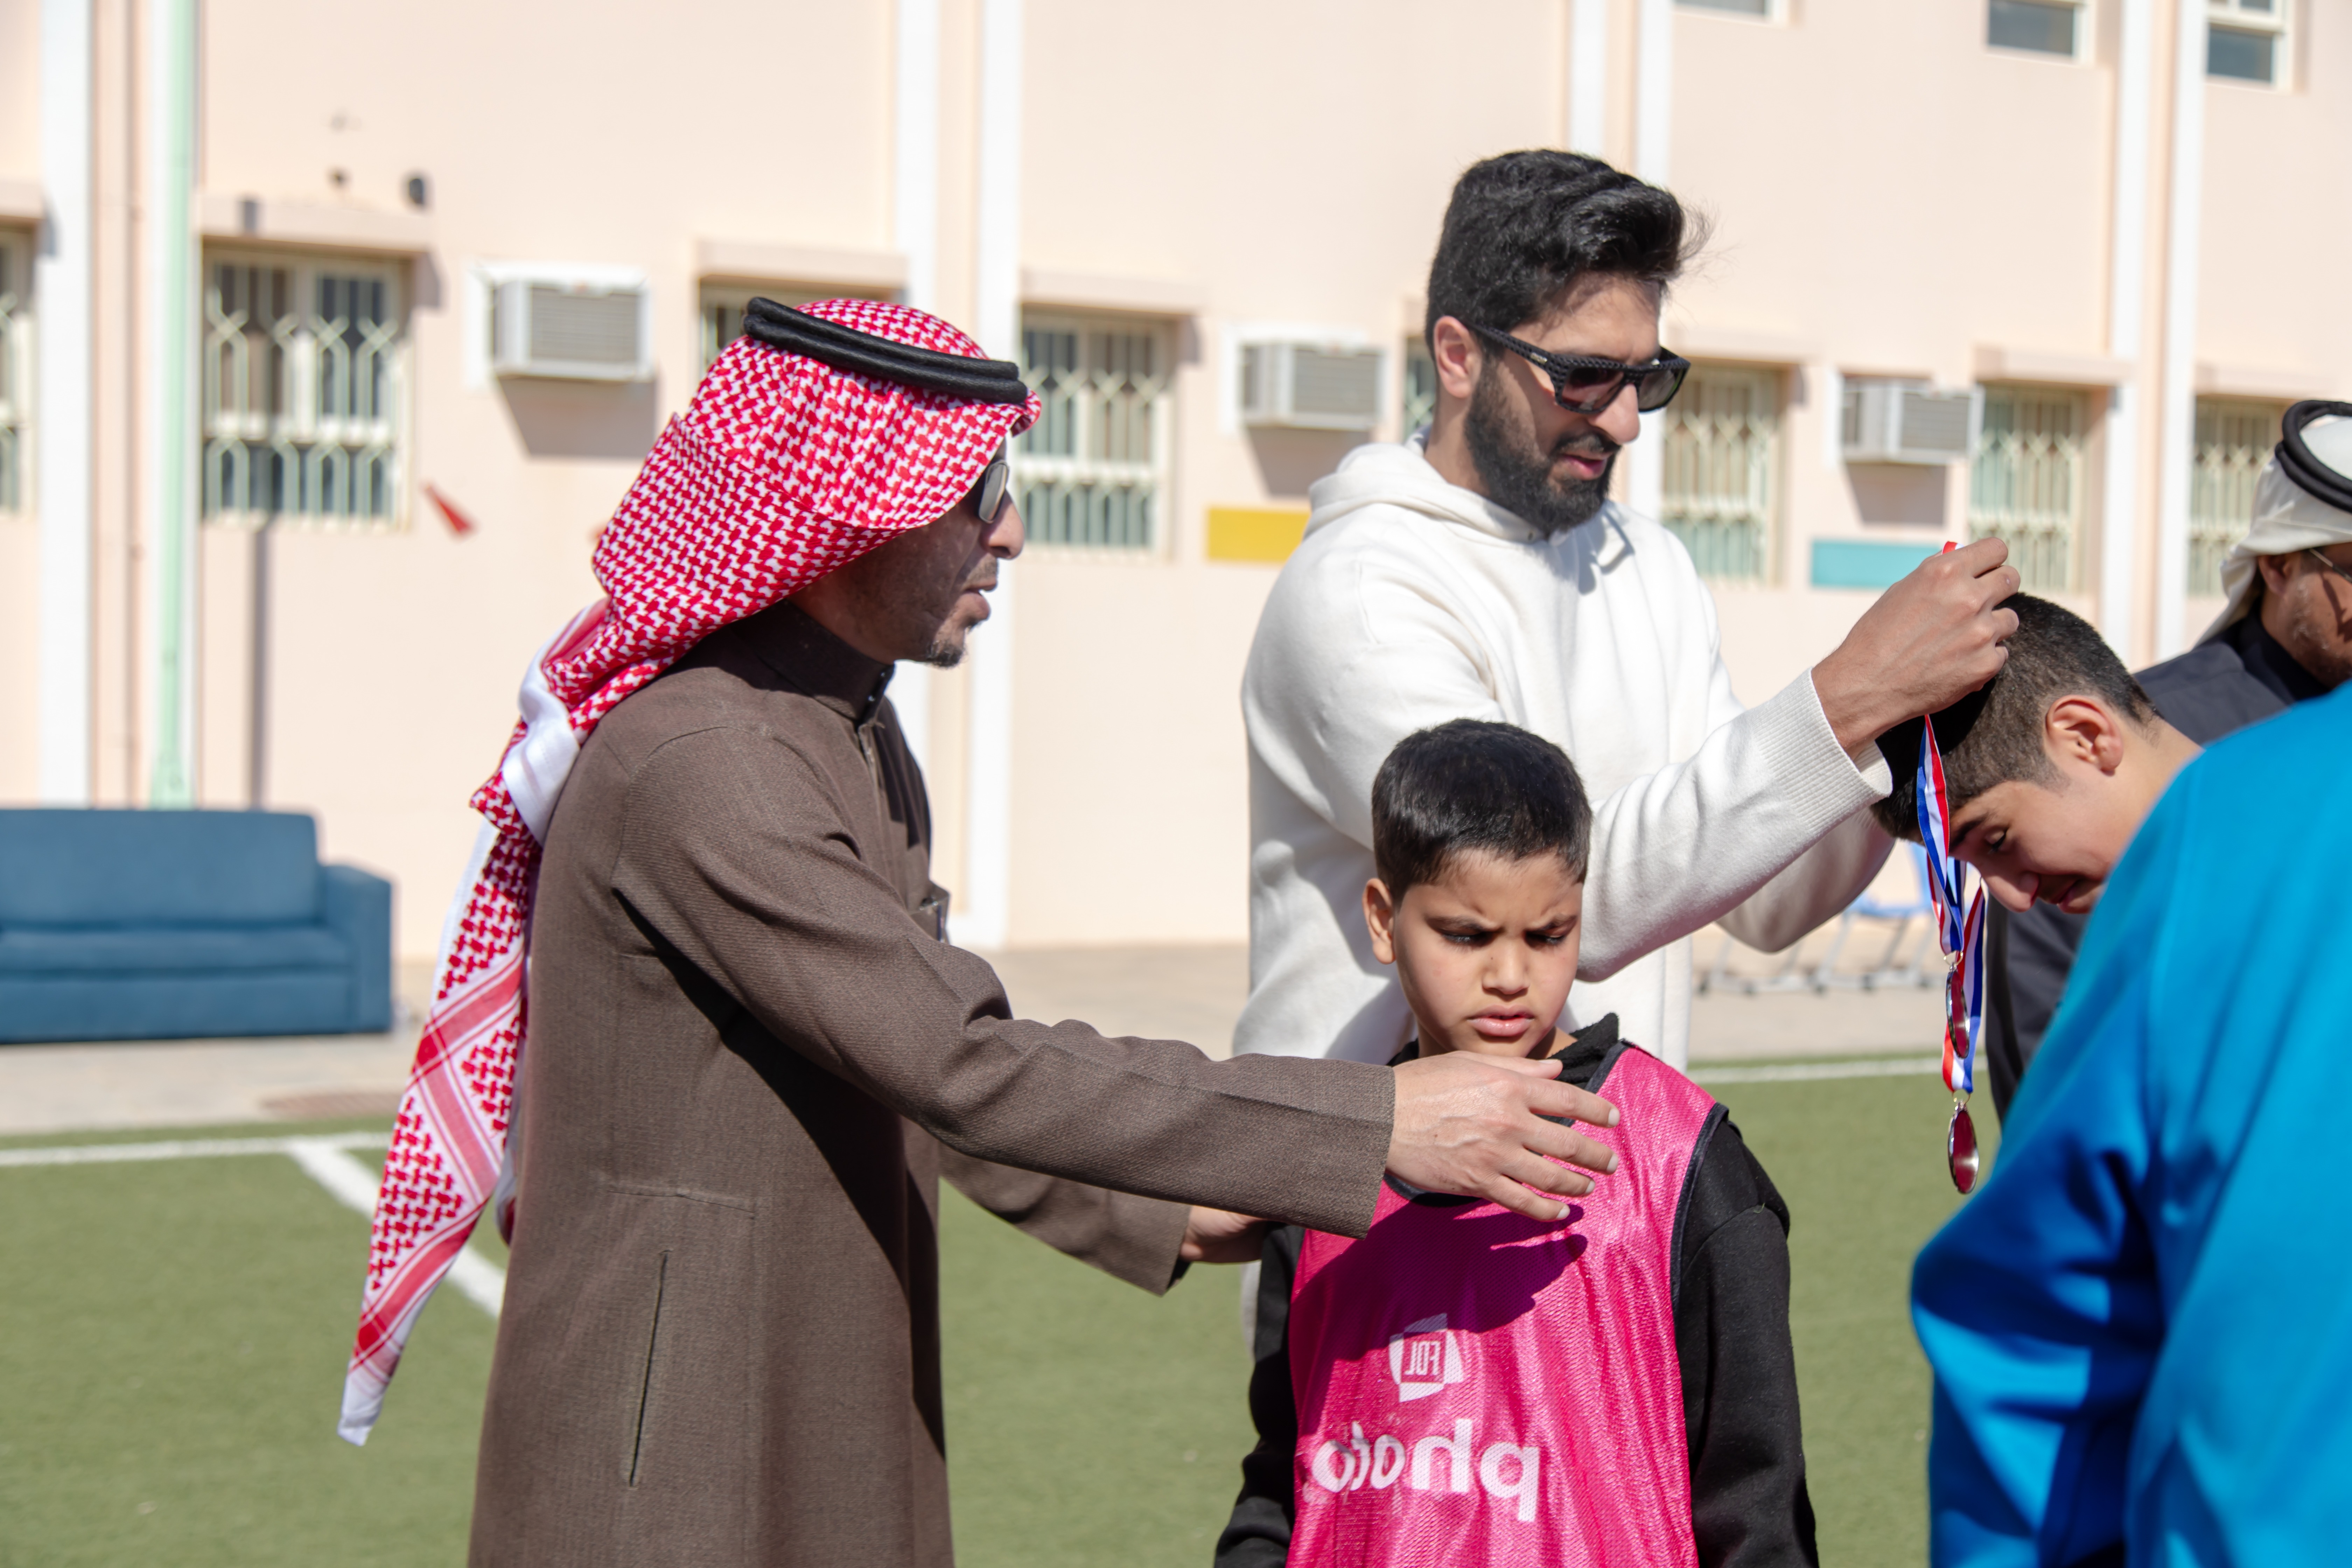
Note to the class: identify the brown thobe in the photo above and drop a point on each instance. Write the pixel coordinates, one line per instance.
(750, 1058)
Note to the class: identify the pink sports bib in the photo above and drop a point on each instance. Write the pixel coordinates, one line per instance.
(1478, 1387)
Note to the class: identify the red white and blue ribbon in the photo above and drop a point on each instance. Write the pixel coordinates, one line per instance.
(1958, 934)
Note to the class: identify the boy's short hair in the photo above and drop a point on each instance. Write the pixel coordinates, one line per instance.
(1468, 786)
(1993, 735)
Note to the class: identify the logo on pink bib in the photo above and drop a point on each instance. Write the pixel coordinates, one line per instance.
(1424, 1358)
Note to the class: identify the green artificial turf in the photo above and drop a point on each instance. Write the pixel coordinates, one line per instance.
(172, 1337)
(171, 1347)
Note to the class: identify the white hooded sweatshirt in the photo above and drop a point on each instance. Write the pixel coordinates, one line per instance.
(1411, 601)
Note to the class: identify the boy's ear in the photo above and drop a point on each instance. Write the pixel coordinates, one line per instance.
(2086, 732)
(1379, 917)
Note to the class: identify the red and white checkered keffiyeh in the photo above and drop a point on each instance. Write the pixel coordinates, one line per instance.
(783, 469)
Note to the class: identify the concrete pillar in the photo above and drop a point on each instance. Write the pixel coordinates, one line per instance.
(2126, 305)
(983, 917)
(915, 226)
(170, 403)
(62, 277)
(1654, 107)
(2177, 448)
(1587, 78)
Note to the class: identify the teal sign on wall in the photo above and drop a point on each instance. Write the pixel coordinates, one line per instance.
(1865, 563)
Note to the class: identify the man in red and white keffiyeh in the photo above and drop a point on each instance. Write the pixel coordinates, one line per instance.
(753, 1054)
(781, 471)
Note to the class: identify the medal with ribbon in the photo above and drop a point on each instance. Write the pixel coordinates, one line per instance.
(1962, 940)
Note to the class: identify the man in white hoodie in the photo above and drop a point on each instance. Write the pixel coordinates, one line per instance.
(1479, 571)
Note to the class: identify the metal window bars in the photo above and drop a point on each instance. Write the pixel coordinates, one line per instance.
(722, 320)
(2025, 483)
(723, 305)
(2246, 41)
(1419, 385)
(2234, 438)
(1722, 443)
(301, 371)
(13, 267)
(1092, 472)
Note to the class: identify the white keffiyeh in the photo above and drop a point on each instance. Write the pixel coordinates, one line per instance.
(2287, 518)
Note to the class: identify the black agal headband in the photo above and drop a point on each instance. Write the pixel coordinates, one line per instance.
(2296, 460)
(845, 348)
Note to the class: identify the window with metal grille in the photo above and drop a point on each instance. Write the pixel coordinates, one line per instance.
(1419, 385)
(2245, 40)
(2235, 438)
(2037, 26)
(2025, 484)
(1722, 470)
(1092, 473)
(15, 369)
(301, 363)
(723, 303)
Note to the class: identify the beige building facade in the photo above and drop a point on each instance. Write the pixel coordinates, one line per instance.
(328, 338)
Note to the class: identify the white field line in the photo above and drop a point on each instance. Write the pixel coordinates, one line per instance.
(1794, 1072)
(325, 1161)
(179, 1149)
(353, 1185)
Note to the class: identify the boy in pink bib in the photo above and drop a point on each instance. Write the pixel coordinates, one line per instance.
(1466, 1385)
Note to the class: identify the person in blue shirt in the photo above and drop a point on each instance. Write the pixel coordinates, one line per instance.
(2141, 1324)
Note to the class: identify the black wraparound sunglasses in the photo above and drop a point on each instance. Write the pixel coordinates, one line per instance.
(1583, 385)
(995, 488)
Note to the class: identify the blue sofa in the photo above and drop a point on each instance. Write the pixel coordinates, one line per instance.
(127, 925)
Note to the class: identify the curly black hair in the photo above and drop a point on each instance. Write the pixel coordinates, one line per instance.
(1523, 227)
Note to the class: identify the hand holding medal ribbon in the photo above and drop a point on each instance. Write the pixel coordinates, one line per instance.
(1962, 940)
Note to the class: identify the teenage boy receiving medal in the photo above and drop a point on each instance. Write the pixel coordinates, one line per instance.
(2137, 1324)
(2045, 773)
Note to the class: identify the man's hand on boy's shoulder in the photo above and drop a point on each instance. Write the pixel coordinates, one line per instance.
(1474, 1126)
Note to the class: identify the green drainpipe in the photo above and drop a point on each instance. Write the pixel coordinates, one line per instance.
(173, 781)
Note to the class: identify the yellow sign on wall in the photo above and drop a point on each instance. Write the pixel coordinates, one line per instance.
(1256, 533)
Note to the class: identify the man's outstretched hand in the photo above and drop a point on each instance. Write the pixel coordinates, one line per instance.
(1474, 1126)
(1928, 641)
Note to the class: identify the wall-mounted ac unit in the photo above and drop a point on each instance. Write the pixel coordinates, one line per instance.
(1310, 386)
(1889, 421)
(584, 325)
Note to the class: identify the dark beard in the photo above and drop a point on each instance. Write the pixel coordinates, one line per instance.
(1517, 478)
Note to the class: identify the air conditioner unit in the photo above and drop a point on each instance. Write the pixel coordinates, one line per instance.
(586, 325)
(1310, 386)
(1891, 421)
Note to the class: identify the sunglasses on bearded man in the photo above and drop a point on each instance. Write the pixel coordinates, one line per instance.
(1583, 385)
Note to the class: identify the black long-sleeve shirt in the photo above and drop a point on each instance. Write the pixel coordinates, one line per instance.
(1749, 1508)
